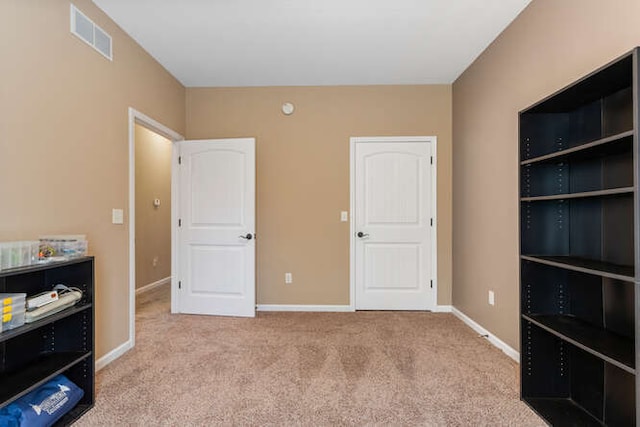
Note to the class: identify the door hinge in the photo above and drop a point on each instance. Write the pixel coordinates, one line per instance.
(431, 159)
(180, 285)
(180, 160)
(432, 222)
(179, 223)
(431, 284)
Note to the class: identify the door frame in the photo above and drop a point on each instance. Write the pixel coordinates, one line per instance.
(434, 197)
(136, 117)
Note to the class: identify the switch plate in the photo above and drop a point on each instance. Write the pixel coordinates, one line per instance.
(117, 216)
(492, 298)
(288, 278)
(344, 216)
(156, 203)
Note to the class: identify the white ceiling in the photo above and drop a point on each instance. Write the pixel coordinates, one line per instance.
(313, 42)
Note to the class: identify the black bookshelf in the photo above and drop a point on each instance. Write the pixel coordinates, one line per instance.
(579, 249)
(62, 343)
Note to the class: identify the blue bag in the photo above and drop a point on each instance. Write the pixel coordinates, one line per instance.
(43, 406)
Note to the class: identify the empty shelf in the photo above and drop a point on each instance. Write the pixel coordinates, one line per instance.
(583, 265)
(562, 412)
(598, 193)
(606, 345)
(601, 147)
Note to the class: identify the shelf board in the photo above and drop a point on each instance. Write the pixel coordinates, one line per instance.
(16, 384)
(79, 410)
(595, 147)
(27, 327)
(599, 193)
(608, 79)
(562, 412)
(583, 265)
(43, 265)
(608, 346)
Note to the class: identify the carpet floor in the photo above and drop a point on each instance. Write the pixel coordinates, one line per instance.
(299, 369)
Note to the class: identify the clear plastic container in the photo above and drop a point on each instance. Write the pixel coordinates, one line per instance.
(18, 254)
(12, 320)
(28, 252)
(82, 247)
(13, 299)
(72, 245)
(33, 251)
(13, 308)
(5, 249)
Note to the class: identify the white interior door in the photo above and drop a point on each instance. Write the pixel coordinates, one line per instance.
(216, 253)
(392, 225)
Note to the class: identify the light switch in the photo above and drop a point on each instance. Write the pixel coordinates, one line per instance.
(117, 216)
(344, 216)
(156, 203)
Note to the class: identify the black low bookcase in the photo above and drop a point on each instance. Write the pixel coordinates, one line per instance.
(579, 250)
(62, 343)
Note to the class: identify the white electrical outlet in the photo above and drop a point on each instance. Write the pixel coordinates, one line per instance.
(155, 261)
(492, 298)
(288, 278)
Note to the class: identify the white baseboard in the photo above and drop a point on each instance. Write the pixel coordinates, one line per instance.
(113, 355)
(508, 350)
(147, 288)
(327, 308)
(303, 307)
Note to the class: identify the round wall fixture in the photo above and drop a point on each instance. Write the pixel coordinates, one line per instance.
(287, 108)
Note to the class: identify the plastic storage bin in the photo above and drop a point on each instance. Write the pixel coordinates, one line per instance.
(69, 246)
(5, 255)
(13, 299)
(13, 308)
(12, 320)
(18, 254)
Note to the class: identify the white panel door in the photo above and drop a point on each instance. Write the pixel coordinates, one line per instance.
(216, 255)
(393, 226)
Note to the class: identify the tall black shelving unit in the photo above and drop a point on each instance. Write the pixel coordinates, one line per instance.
(579, 250)
(62, 343)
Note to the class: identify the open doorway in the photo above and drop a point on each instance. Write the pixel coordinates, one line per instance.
(151, 259)
(152, 219)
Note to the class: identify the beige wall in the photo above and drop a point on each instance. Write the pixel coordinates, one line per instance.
(153, 224)
(64, 138)
(551, 44)
(303, 173)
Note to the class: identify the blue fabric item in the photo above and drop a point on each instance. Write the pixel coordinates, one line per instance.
(43, 406)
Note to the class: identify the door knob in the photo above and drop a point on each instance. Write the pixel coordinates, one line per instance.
(249, 236)
(361, 234)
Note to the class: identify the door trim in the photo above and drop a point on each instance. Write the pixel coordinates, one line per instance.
(136, 117)
(434, 197)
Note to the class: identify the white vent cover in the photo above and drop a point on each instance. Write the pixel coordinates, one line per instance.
(90, 33)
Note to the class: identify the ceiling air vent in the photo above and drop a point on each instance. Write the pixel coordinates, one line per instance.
(90, 33)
